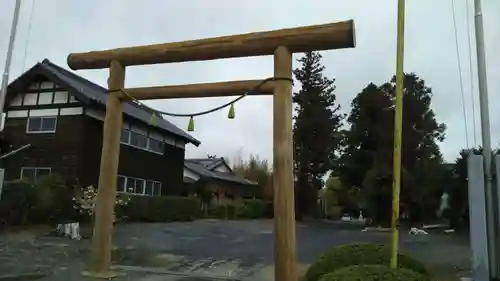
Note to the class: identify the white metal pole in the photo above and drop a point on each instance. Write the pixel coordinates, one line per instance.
(12, 39)
(486, 137)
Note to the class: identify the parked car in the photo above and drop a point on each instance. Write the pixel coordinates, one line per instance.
(346, 218)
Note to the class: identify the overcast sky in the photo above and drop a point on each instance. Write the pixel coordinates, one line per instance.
(60, 27)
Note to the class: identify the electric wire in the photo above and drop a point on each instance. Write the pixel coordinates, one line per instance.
(469, 50)
(160, 112)
(459, 64)
(29, 34)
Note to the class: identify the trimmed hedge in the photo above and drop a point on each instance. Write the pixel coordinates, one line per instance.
(255, 209)
(17, 202)
(161, 209)
(50, 201)
(244, 209)
(47, 201)
(374, 273)
(225, 211)
(54, 200)
(360, 254)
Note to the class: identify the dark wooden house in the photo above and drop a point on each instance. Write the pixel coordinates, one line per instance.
(215, 175)
(60, 115)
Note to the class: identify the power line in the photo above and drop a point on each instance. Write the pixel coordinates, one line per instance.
(469, 50)
(460, 73)
(29, 35)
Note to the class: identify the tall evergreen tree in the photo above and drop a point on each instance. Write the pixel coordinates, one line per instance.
(368, 147)
(316, 127)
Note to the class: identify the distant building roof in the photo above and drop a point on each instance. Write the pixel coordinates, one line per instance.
(90, 93)
(205, 167)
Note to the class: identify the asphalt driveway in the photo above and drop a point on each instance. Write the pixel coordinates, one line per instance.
(245, 248)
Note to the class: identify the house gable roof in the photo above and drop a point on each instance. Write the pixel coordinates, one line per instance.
(212, 163)
(92, 94)
(205, 167)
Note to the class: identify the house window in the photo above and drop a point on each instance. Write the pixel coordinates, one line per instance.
(135, 186)
(121, 182)
(142, 141)
(155, 145)
(153, 188)
(125, 138)
(41, 124)
(33, 173)
(138, 140)
(138, 186)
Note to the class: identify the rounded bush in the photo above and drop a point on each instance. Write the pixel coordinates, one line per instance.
(360, 254)
(373, 273)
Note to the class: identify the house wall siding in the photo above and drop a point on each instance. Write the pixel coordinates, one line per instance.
(58, 150)
(134, 162)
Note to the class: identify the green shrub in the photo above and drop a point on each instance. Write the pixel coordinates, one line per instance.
(359, 254)
(253, 209)
(17, 202)
(244, 209)
(373, 273)
(161, 209)
(54, 200)
(223, 211)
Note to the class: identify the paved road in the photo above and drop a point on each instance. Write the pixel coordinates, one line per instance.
(245, 248)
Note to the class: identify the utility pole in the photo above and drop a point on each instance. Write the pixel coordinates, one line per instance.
(398, 128)
(12, 39)
(491, 204)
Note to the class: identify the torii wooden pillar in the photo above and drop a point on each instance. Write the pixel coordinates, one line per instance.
(280, 43)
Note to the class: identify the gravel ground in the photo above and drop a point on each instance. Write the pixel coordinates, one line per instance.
(239, 249)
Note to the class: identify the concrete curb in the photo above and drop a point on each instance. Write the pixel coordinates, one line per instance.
(378, 229)
(159, 270)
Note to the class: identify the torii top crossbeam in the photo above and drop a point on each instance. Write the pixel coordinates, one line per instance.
(301, 39)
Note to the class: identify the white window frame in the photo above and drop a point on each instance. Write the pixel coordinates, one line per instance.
(135, 185)
(127, 142)
(124, 190)
(148, 138)
(36, 170)
(154, 151)
(40, 132)
(153, 183)
(144, 136)
(126, 185)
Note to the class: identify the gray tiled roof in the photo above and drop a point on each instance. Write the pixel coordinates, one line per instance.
(206, 168)
(89, 92)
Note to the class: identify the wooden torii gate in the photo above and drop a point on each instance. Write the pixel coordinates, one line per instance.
(280, 43)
